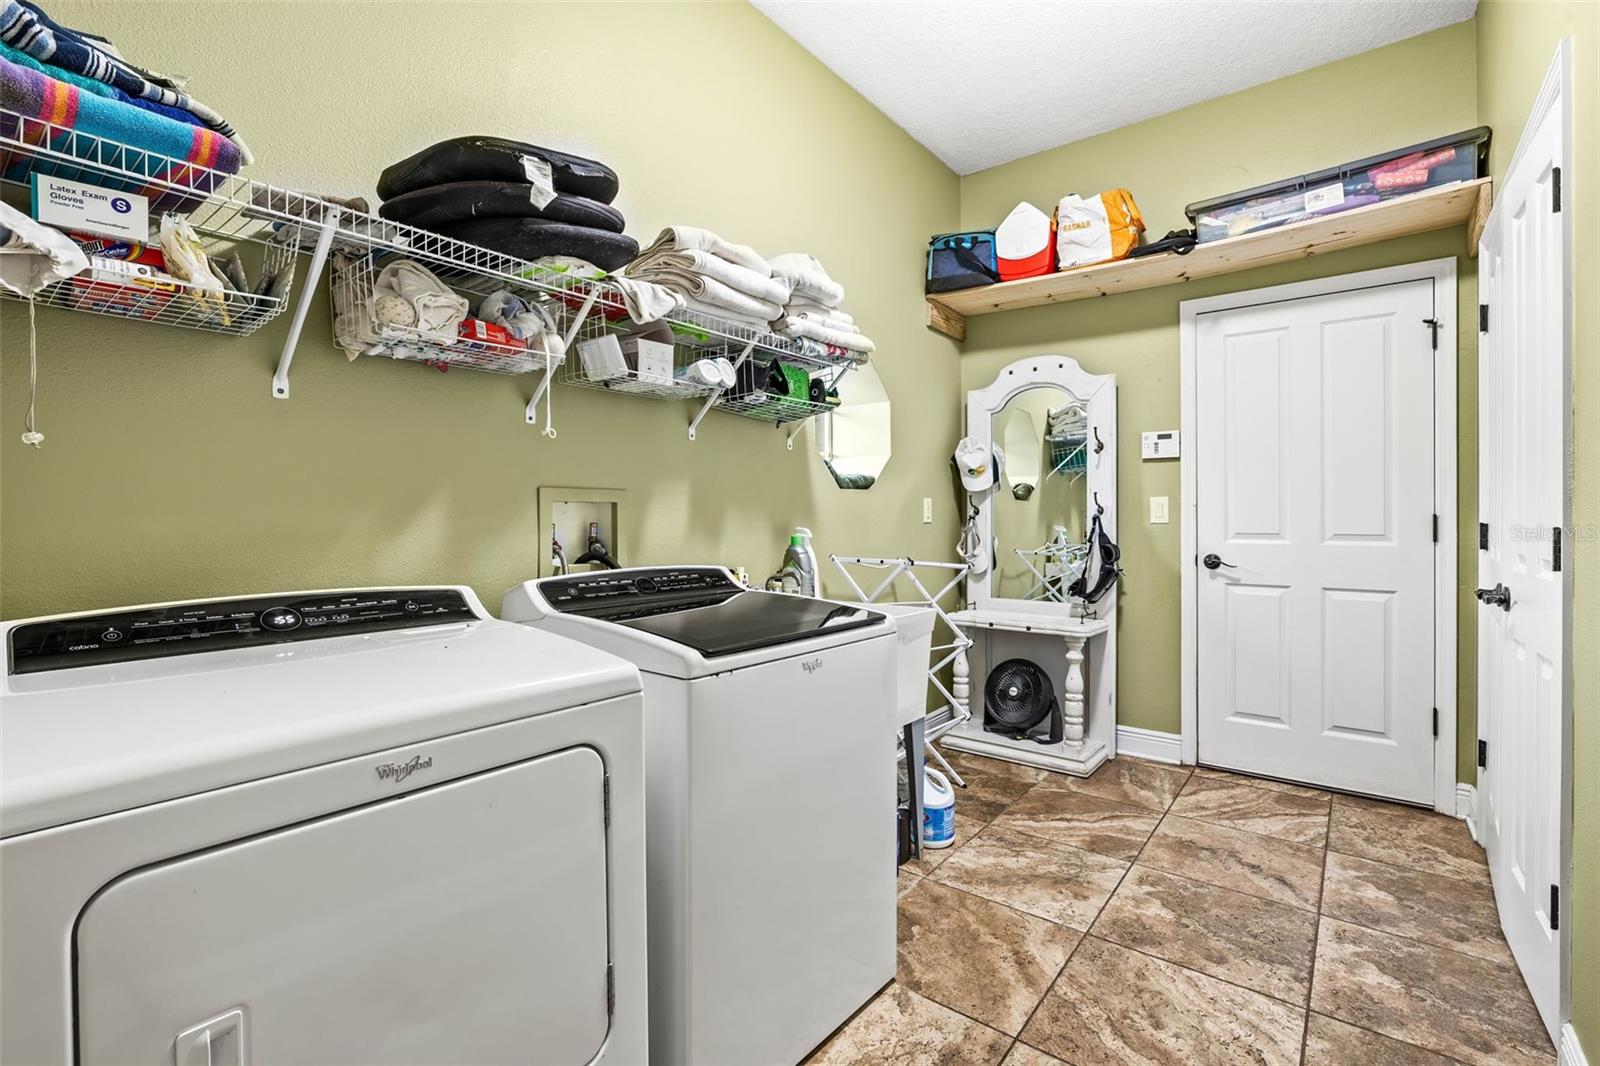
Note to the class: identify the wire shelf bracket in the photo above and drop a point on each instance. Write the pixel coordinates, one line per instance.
(319, 259)
(530, 414)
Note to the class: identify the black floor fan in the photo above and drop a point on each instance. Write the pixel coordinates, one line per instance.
(1019, 702)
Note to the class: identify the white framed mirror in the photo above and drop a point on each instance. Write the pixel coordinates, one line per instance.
(1056, 426)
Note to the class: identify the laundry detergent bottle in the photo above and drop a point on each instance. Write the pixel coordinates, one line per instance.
(800, 558)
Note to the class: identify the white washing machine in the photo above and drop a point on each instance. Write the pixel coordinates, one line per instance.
(372, 826)
(770, 801)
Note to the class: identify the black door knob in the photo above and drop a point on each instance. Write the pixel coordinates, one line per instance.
(1499, 596)
(1214, 560)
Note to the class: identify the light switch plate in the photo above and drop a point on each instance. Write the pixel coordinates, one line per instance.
(927, 510)
(1158, 510)
(1159, 444)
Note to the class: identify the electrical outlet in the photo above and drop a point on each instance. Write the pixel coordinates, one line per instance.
(1158, 510)
(927, 510)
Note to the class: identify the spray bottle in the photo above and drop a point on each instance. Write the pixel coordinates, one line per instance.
(802, 559)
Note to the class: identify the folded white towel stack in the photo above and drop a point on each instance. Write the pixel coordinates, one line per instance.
(714, 276)
(813, 314)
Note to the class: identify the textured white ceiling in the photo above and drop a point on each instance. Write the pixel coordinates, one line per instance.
(983, 83)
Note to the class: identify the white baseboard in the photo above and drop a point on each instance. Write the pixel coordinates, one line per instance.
(1149, 744)
(1467, 806)
(1570, 1053)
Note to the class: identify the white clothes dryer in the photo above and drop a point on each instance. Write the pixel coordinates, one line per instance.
(770, 801)
(371, 826)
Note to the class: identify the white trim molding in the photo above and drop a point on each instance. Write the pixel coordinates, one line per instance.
(1570, 1053)
(1150, 744)
(1443, 273)
(1467, 806)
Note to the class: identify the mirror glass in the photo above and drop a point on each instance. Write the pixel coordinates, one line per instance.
(853, 438)
(1041, 512)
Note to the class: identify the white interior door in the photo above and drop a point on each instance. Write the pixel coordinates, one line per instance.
(1314, 523)
(1522, 680)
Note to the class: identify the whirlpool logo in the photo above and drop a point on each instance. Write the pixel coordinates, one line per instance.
(396, 772)
(811, 666)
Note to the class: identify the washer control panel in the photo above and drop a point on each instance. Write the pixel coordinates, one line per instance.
(604, 589)
(220, 625)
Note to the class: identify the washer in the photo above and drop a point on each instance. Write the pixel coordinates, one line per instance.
(770, 785)
(370, 826)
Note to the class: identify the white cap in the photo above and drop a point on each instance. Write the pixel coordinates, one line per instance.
(979, 468)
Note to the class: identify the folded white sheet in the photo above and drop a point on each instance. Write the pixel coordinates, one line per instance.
(807, 278)
(811, 329)
(833, 316)
(718, 298)
(692, 238)
(664, 265)
(745, 318)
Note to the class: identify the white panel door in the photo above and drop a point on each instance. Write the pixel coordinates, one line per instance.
(462, 923)
(1522, 417)
(1315, 534)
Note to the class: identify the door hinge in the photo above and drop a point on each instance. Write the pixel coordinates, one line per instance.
(605, 798)
(1436, 529)
(1555, 189)
(611, 989)
(1555, 549)
(1433, 331)
(1483, 536)
(1483, 754)
(1483, 318)
(1555, 907)
(1436, 721)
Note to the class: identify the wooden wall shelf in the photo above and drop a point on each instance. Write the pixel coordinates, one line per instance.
(1466, 203)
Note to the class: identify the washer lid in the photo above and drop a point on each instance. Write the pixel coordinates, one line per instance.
(701, 608)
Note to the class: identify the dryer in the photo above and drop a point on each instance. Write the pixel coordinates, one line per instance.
(359, 826)
(771, 801)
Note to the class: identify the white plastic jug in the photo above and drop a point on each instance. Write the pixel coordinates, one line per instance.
(938, 811)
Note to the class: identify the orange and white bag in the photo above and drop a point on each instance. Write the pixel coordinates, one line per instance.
(1096, 229)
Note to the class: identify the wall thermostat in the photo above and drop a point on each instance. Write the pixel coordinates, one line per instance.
(1161, 444)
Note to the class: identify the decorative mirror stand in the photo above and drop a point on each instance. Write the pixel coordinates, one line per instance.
(1066, 648)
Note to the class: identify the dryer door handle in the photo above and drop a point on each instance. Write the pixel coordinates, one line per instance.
(217, 1041)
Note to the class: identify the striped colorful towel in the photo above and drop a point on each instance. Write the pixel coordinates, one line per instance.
(25, 27)
(166, 151)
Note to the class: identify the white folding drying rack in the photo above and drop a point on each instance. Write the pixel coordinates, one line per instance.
(941, 720)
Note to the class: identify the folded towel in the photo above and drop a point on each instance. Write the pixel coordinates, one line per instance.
(713, 294)
(717, 311)
(691, 238)
(666, 265)
(814, 330)
(35, 96)
(811, 309)
(99, 88)
(24, 27)
(807, 278)
(645, 300)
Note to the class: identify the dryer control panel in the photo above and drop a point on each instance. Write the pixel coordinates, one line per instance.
(222, 625)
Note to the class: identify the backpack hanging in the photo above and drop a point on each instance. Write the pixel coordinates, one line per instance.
(1103, 548)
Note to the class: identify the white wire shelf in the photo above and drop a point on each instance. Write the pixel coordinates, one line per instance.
(227, 209)
(179, 304)
(224, 207)
(352, 280)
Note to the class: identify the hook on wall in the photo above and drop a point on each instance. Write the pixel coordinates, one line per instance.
(1099, 510)
(1099, 445)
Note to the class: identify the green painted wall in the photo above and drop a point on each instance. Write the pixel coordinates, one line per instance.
(1516, 42)
(1420, 88)
(168, 472)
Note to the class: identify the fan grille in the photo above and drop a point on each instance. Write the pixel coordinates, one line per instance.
(1017, 694)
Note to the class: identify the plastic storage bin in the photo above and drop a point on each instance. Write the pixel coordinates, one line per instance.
(1459, 157)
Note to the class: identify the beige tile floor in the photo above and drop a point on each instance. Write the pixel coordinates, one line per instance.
(1153, 915)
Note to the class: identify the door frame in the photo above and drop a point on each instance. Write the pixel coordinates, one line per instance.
(1443, 274)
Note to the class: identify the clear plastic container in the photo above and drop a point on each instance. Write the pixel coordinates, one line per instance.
(1459, 157)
